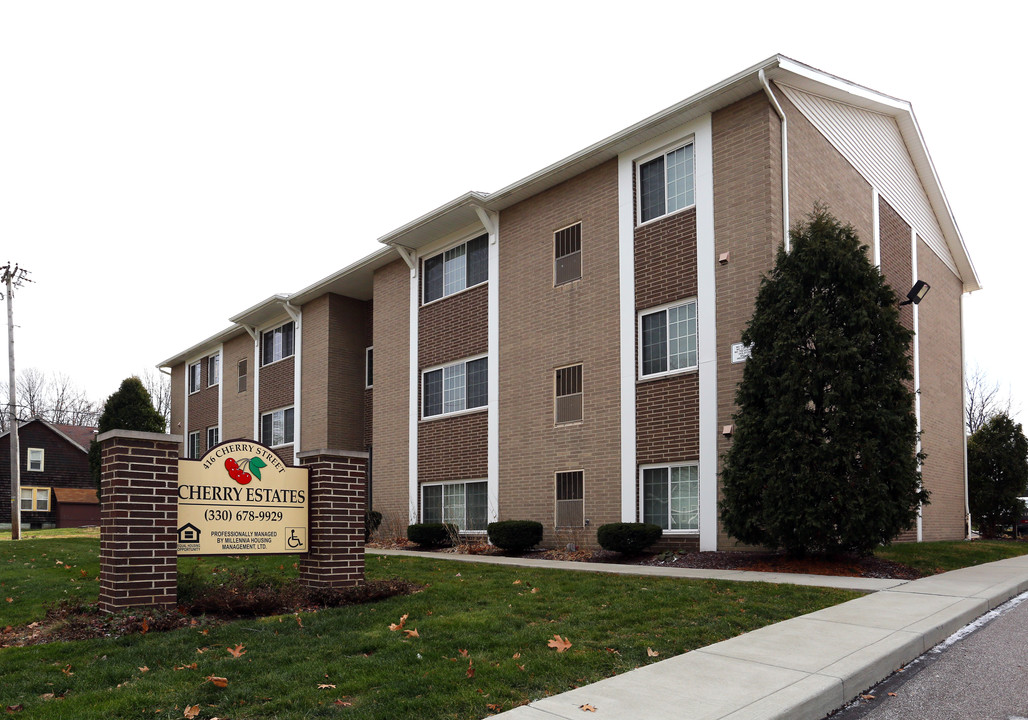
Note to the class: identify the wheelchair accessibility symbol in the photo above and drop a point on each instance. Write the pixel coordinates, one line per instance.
(296, 538)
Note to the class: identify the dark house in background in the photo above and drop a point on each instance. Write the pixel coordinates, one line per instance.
(56, 487)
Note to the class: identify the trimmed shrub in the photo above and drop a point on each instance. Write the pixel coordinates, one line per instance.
(432, 534)
(628, 538)
(515, 535)
(372, 519)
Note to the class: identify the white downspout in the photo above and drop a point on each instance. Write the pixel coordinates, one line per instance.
(785, 157)
(297, 316)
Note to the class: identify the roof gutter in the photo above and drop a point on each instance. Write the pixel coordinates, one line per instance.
(785, 156)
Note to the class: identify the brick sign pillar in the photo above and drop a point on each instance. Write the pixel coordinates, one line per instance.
(139, 512)
(335, 556)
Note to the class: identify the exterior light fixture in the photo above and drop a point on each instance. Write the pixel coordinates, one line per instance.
(917, 293)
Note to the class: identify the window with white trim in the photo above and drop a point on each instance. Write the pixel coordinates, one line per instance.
(568, 394)
(671, 496)
(213, 435)
(213, 370)
(241, 371)
(666, 183)
(369, 367)
(570, 510)
(567, 254)
(193, 445)
(454, 388)
(194, 377)
(277, 343)
(465, 504)
(456, 269)
(35, 460)
(668, 339)
(35, 499)
(277, 427)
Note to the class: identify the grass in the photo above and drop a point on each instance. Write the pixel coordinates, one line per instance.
(481, 644)
(935, 557)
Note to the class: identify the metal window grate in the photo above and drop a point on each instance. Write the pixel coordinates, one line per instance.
(570, 510)
(567, 254)
(568, 392)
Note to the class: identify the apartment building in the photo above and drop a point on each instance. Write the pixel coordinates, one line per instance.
(567, 348)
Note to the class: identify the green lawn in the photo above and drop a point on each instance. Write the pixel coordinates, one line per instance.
(481, 644)
(935, 557)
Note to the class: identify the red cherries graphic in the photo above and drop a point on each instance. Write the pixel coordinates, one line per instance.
(236, 473)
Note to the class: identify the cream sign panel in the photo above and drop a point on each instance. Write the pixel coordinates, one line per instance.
(241, 499)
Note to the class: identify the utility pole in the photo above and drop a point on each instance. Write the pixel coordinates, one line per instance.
(13, 277)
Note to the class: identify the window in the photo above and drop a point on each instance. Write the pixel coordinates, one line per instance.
(35, 499)
(194, 377)
(568, 391)
(570, 512)
(456, 269)
(464, 504)
(277, 427)
(668, 339)
(462, 386)
(277, 344)
(241, 370)
(567, 254)
(671, 497)
(666, 183)
(193, 446)
(213, 434)
(213, 370)
(35, 460)
(369, 374)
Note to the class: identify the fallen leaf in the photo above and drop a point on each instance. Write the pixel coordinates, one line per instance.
(398, 626)
(535, 590)
(67, 670)
(326, 686)
(15, 708)
(344, 704)
(299, 621)
(868, 697)
(516, 655)
(892, 694)
(10, 600)
(521, 668)
(464, 653)
(471, 670)
(82, 572)
(587, 708)
(237, 650)
(558, 643)
(651, 652)
(516, 582)
(412, 633)
(191, 711)
(191, 666)
(494, 707)
(218, 681)
(146, 626)
(46, 696)
(144, 669)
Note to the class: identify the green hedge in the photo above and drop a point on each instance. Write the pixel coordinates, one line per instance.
(515, 535)
(628, 538)
(432, 534)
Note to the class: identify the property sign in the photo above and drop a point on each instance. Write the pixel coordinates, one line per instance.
(241, 499)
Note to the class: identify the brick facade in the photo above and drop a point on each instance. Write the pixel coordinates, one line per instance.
(237, 409)
(335, 558)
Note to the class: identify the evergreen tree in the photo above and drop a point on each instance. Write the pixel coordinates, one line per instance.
(997, 473)
(130, 408)
(824, 454)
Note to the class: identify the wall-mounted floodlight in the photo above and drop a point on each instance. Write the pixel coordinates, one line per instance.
(917, 293)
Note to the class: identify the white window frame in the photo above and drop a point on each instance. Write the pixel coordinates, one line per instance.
(264, 362)
(450, 248)
(34, 502)
(272, 413)
(194, 382)
(444, 367)
(40, 456)
(216, 431)
(242, 378)
(557, 259)
(214, 363)
(557, 500)
(699, 503)
(369, 368)
(674, 147)
(641, 375)
(557, 422)
(193, 445)
(454, 483)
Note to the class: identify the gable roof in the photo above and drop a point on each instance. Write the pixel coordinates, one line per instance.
(79, 436)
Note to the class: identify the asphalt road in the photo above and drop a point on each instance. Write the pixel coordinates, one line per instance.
(982, 676)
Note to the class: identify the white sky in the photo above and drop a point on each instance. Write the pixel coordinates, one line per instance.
(164, 166)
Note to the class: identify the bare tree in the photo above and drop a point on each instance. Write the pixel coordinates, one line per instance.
(984, 400)
(55, 399)
(159, 386)
(32, 387)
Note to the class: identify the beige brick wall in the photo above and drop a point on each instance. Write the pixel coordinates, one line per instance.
(748, 226)
(203, 408)
(543, 327)
(178, 392)
(336, 332)
(237, 407)
(392, 391)
(942, 411)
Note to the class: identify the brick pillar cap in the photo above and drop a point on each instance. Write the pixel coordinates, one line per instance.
(138, 435)
(331, 453)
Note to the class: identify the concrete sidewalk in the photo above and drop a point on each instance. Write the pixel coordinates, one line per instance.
(799, 669)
